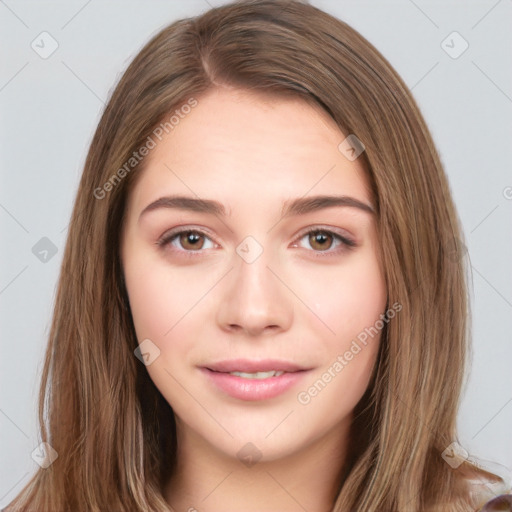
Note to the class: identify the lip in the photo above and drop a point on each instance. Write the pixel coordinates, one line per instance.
(253, 389)
(252, 366)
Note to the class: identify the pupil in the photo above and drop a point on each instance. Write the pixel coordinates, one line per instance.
(320, 238)
(192, 238)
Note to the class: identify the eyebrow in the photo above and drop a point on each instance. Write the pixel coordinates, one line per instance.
(298, 206)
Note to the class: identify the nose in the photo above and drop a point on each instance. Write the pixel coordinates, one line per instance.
(254, 299)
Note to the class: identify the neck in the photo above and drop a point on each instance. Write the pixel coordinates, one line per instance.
(207, 480)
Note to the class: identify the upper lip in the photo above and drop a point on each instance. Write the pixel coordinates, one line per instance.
(252, 366)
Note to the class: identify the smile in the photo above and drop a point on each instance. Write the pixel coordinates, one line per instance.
(253, 386)
(257, 375)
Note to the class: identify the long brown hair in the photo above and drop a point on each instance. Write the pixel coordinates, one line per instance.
(99, 410)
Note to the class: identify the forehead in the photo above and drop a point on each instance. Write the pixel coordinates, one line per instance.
(247, 145)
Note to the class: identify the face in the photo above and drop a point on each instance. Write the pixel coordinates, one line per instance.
(252, 285)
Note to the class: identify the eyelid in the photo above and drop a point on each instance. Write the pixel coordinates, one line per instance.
(341, 233)
(346, 241)
(168, 236)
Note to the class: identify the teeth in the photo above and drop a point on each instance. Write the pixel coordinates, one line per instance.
(257, 375)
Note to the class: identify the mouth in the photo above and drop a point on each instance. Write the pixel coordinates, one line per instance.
(254, 380)
(253, 367)
(257, 375)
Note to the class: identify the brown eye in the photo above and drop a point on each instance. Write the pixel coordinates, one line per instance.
(324, 242)
(191, 240)
(320, 240)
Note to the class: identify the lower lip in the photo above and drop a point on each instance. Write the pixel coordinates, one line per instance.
(253, 389)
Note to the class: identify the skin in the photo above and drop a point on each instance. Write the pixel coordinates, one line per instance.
(294, 302)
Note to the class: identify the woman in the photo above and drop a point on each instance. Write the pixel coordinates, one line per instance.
(262, 303)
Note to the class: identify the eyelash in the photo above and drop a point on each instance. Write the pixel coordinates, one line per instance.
(345, 243)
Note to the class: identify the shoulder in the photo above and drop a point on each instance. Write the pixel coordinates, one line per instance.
(501, 503)
(490, 494)
(489, 489)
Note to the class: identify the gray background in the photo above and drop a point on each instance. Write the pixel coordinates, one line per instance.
(50, 108)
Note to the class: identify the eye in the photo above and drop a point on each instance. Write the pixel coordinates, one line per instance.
(322, 240)
(190, 240)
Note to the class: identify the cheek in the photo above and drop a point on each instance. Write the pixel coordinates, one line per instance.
(150, 306)
(158, 297)
(352, 307)
(346, 299)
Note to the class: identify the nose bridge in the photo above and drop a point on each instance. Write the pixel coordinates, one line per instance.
(255, 299)
(255, 283)
(252, 272)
